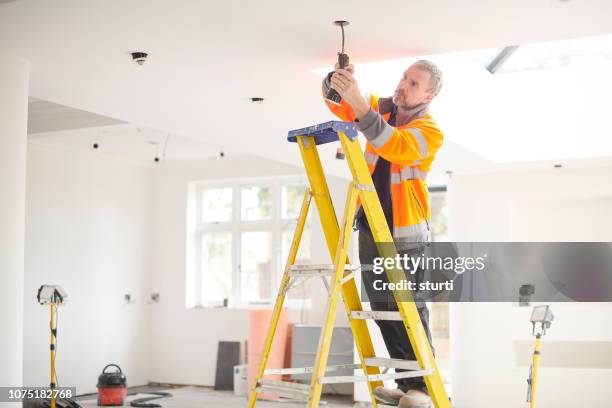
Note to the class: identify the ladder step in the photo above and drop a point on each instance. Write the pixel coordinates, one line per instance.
(392, 363)
(296, 396)
(374, 377)
(375, 315)
(308, 370)
(284, 385)
(318, 269)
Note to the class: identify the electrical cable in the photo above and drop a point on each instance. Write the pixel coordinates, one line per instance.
(144, 402)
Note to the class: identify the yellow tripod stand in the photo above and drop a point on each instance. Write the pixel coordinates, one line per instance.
(342, 283)
(53, 312)
(53, 296)
(543, 316)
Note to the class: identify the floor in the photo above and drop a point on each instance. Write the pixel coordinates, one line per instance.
(187, 397)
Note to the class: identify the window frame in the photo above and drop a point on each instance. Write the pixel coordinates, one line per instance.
(438, 190)
(236, 227)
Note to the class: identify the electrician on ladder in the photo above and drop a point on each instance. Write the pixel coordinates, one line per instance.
(402, 141)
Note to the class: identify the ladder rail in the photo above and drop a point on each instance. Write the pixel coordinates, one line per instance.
(280, 299)
(333, 299)
(382, 234)
(331, 230)
(343, 284)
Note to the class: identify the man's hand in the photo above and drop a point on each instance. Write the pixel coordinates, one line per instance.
(346, 85)
(350, 68)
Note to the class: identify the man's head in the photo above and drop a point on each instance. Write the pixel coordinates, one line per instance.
(419, 84)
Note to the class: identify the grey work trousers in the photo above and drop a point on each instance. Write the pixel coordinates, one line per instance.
(393, 332)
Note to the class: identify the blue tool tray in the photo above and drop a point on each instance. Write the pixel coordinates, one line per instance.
(325, 132)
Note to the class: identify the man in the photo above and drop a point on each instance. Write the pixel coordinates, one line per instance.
(402, 141)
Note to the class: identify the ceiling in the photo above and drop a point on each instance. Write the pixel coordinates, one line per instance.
(45, 116)
(130, 142)
(207, 58)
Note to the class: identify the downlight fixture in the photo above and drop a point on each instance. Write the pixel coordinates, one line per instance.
(139, 57)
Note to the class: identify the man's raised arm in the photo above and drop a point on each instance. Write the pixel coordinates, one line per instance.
(344, 111)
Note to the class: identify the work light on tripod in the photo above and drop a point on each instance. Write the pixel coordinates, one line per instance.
(53, 296)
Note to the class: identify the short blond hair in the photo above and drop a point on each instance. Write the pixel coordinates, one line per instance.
(435, 81)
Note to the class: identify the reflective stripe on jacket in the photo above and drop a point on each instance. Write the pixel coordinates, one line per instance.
(410, 148)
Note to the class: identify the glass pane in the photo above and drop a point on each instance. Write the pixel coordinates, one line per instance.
(439, 320)
(303, 257)
(291, 200)
(217, 205)
(256, 266)
(256, 203)
(439, 217)
(216, 267)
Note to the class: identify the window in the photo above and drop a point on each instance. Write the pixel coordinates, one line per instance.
(217, 205)
(242, 233)
(216, 257)
(256, 203)
(439, 314)
(256, 266)
(439, 214)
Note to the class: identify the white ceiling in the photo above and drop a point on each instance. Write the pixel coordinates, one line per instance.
(130, 142)
(45, 116)
(207, 58)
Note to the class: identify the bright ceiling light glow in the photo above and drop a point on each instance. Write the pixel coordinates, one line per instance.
(557, 54)
(549, 104)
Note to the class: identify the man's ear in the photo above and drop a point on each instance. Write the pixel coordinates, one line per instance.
(430, 96)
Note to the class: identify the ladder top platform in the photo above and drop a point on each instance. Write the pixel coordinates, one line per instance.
(325, 132)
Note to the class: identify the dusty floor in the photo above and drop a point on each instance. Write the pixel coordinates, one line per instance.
(187, 397)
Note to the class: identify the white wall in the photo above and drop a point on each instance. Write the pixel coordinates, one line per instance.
(14, 83)
(568, 204)
(184, 341)
(88, 230)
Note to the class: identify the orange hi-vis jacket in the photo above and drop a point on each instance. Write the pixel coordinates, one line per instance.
(410, 148)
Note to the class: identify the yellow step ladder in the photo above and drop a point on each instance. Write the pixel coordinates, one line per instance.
(342, 282)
